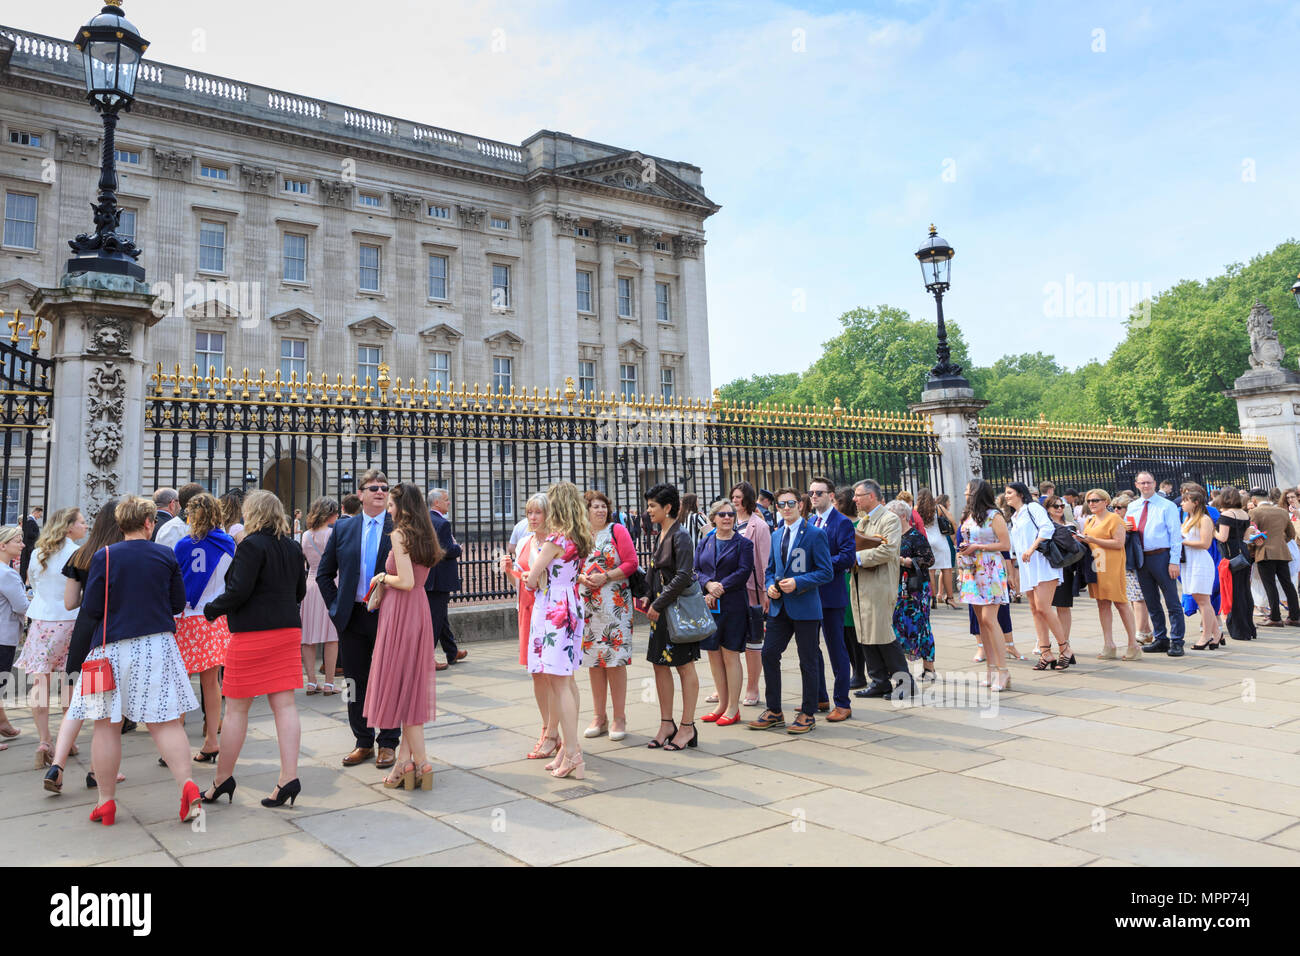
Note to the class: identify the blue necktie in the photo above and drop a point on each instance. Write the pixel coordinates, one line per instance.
(369, 552)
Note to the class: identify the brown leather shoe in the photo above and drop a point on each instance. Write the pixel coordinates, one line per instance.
(461, 655)
(360, 755)
(838, 714)
(823, 706)
(440, 666)
(387, 757)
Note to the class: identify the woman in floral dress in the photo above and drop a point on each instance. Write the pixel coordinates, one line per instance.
(555, 647)
(517, 567)
(607, 613)
(911, 619)
(983, 575)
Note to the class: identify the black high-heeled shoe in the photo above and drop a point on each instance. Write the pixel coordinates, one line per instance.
(91, 782)
(656, 745)
(693, 742)
(227, 788)
(54, 779)
(288, 791)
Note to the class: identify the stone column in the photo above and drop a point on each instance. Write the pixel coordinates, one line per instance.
(563, 321)
(955, 414)
(475, 294)
(607, 305)
(1268, 398)
(645, 242)
(100, 382)
(693, 316)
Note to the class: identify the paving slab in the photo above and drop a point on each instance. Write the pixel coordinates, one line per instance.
(370, 836)
(1091, 788)
(830, 766)
(805, 844)
(1210, 814)
(848, 811)
(640, 855)
(964, 843)
(751, 784)
(1147, 841)
(1081, 732)
(537, 834)
(1239, 759)
(296, 850)
(1083, 759)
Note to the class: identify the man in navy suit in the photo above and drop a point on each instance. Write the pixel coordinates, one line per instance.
(444, 577)
(834, 595)
(798, 565)
(356, 552)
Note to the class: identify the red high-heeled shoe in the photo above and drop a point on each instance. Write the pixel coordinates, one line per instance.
(710, 718)
(190, 797)
(728, 721)
(105, 813)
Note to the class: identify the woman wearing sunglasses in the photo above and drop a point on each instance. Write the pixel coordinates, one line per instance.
(1104, 533)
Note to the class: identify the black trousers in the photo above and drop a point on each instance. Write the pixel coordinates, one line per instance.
(885, 662)
(356, 648)
(438, 601)
(776, 639)
(1241, 624)
(1271, 572)
(856, 657)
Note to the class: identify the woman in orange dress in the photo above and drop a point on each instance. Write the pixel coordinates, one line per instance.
(1104, 533)
(518, 567)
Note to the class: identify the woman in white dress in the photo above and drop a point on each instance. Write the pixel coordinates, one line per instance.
(1198, 569)
(1030, 527)
(941, 570)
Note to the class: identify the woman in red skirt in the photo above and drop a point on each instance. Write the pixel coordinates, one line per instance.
(401, 688)
(266, 582)
(204, 555)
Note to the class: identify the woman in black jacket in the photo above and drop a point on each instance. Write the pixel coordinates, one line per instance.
(266, 581)
(672, 570)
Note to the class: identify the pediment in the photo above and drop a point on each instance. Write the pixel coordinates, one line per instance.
(16, 292)
(636, 172)
(372, 325)
(213, 309)
(300, 318)
(441, 332)
(633, 345)
(504, 339)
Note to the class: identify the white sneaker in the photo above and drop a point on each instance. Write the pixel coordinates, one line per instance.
(596, 730)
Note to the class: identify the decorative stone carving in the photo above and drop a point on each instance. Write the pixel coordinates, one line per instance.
(335, 192)
(406, 204)
(256, 178)
(973, 445)
(646, 239)
(525, 228)
(565, 224)
(100, 487)
(472, 217)
(1264, 411)
(108, 336)
(607, 230)
(105, 404)
(1266, 351)
(170, 165)
(76, 148)
(687, 247)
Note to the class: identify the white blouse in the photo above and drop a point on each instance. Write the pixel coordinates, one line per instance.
(1030, 523)
(47, 583)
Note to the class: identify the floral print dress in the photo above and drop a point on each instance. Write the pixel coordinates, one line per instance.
(607, 634)
(555, 634)
(983, 576)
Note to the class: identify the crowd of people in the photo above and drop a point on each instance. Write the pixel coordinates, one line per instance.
(154, 593)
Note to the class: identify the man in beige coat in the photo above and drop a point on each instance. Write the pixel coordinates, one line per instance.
(1272, 557)
(873, 591)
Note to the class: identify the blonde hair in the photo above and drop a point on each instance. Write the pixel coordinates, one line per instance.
(904, 495)
(1101, 493)
(9, 532)
(566, 514)
(263, 511)
(718, 506)
(55, 533)
(133, 512)
(537, 503)
(203, 515)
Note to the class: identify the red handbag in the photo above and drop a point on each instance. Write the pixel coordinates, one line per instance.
(97, 675)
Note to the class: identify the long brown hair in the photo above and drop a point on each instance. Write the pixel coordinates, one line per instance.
(412, 519)
(926, 506)
(103, 532)
(55, 533)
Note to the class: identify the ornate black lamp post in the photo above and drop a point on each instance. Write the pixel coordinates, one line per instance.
(111, 48)
(345, 483)
(935, 256)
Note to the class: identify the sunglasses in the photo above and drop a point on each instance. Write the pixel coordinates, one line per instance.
(1093, 501)
(815, 494)
(787, 504)
(376, 488)
(725, 514)
(1054, 507)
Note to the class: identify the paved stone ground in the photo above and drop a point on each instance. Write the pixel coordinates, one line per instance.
(1190, 762)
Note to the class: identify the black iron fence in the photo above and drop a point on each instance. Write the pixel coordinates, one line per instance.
(26, 418)
(305, 439)
(1108, 457)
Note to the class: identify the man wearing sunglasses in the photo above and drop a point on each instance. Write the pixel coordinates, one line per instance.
(798, 565)
(834, 596)
(356, 552)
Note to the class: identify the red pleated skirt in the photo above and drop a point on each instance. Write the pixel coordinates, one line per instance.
(263, 662)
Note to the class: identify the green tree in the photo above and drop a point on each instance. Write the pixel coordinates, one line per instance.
(775, 387)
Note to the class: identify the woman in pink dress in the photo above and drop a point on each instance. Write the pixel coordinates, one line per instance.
(317, 628)
(401, 688)
(518, 567)
(555, 638)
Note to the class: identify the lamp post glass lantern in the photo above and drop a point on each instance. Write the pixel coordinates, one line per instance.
(111, 49)
(935, 257)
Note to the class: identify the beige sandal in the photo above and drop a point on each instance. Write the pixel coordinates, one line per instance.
(1108, 654)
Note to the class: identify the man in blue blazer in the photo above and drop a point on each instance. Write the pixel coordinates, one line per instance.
(356, 552)
(799, 564)
(444, 577)
(834, 595)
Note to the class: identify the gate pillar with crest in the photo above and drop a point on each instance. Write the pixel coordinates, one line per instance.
(1268, 397)
(955, 413)
(98, 324)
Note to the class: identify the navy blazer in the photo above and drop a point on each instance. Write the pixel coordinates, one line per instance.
(445, 575)
(839, 538)
(342, 557)
(810, 566)
(733, 571)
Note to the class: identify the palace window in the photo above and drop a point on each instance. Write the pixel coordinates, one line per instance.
(210, 353)
(129, 157)
(440, 370)
(439, 212)
(587, 379)
(214, 172)
(667, 384)
(368, 276)
(627, 380)
(582, 232)
(300, 186)
(624, 238)
(126, 225)
(503, 497)
(498, 222)
(368, 359)
(438, 277)
(502, 376)
(661, 302)
(293, 358)
(500, 287)
(20, 221)
(370, 199)
(212, 246)
(584, 292)
(295, 257)
(20, 137)
(625, 297)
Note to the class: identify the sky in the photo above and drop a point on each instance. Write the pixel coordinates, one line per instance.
(1069, 152)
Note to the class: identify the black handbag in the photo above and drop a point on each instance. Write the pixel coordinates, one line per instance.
(757, 619)
(638, 584)
(945, 527)
(1061, 549)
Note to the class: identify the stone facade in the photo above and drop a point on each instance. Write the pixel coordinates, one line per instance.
(290, 233)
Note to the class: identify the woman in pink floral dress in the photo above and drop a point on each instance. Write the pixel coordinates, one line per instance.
(555, 635)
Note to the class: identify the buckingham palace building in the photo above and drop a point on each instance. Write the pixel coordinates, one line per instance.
(292, 234)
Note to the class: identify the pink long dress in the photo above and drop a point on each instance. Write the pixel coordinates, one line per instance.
(402, 673)
(317, 628)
